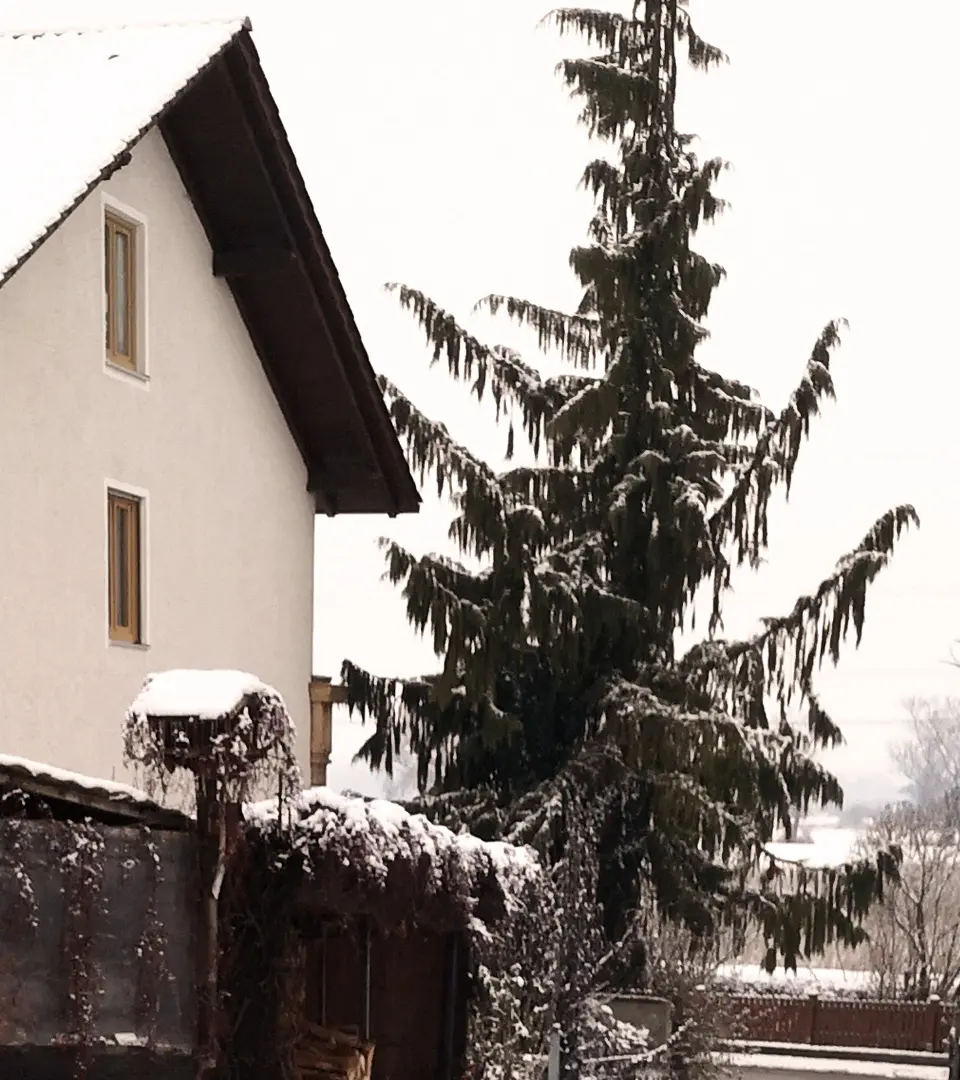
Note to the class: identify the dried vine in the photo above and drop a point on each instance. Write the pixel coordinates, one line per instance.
(40, 848)
(20, 914)
(230, 756)
(251, 752)
(24, 907)
(152, 970)
(83, 872)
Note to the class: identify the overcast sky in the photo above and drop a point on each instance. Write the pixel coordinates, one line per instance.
(441, 151)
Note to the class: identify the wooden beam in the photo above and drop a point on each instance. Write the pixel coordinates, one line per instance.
(324, 691)
(254, 262)
(323, 696)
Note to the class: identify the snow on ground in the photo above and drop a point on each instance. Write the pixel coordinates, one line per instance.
(833, 1066)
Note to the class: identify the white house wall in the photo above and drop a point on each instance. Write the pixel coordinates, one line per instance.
(229, 521)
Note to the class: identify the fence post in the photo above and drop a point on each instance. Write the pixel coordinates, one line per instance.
(953, 1057)
(814, 996)
(936, 1020)
(553, 1058)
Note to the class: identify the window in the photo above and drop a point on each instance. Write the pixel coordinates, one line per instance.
(120, 278)
(123, 555)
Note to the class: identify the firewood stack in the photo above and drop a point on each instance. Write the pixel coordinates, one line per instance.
(324, 1054)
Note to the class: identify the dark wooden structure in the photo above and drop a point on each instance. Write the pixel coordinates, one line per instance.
(126, 949)
(405, 990)
(291, 955)
(354, 914)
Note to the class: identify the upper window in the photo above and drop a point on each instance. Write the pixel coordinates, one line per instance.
(120, 277)
(124, 567)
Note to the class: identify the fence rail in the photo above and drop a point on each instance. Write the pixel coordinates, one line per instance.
(888, 1025)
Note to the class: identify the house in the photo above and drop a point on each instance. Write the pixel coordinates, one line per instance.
(183, 384)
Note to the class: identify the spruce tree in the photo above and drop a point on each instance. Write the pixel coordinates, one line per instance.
(561, 702)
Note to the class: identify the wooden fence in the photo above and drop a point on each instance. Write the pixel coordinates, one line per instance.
(889, 1025)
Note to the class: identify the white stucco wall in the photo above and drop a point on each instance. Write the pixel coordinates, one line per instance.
(229, 521)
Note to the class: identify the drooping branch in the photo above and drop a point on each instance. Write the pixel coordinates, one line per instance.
(578, 339)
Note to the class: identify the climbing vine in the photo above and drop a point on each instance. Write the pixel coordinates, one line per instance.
(153, 973)
(46, 862)
(23, 911)
(83, 899)
(19, 916)
(255, 963)
(250, 752)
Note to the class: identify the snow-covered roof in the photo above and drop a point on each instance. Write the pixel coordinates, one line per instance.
(71, 102)
(198, 694)
(374, 857)
(107, 796)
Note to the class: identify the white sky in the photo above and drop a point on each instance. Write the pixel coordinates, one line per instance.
(440, 151)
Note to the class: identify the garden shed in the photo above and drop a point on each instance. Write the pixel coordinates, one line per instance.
(96, 924)
(361, 917)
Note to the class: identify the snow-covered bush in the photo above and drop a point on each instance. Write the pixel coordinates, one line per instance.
(225, 726)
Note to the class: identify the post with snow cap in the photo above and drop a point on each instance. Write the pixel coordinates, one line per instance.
(324, 694)
(231, 732)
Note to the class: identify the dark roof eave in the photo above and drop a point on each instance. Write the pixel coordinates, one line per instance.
(404, 497)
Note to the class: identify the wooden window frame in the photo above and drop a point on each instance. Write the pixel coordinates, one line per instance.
(114, 224)
(128, 570)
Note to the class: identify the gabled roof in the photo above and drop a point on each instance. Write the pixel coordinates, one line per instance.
(74, 103)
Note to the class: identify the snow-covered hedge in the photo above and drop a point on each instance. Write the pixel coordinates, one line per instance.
(372, 857)
(827, 983)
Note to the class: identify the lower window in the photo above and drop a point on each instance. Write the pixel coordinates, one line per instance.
(124, 572)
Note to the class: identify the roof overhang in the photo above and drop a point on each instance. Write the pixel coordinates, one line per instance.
(226, 138)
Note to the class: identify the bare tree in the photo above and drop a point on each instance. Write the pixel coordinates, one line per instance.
(915, 933)
(929, 758)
